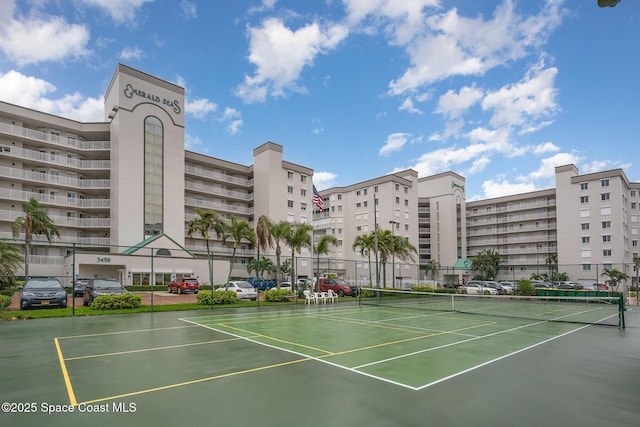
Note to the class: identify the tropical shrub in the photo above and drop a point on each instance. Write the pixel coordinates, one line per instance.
(278, 295)
(114, 302)
(219, 297)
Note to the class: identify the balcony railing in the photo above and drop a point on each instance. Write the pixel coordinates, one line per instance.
(41, 136)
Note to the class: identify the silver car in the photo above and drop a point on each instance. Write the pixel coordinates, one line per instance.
(477, 287)
(243, 289)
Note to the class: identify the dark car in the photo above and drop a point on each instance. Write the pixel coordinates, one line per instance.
(42, 292)
(98, 286)
(78, 287)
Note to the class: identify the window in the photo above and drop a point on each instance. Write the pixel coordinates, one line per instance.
(289, 203)
(606, 238)
(584, 226)
(584, 199)
(358, 193)
(586, 239)
(365, 203)
(303, 206)
(303, 178)
(406, 202)
(634, 205)
(397, 187)
(604, 182)
(606, 224)
(375, 189)
(605, 196)
(606, 252)
(289, 189)
(339, 196)
(584, 186)
(153, 175)
(634, 243)
(358, 205)
(586, 267)
(397, 200)
(289, 175)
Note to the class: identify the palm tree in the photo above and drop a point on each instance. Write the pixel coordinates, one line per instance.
(322, 248)
(264, 239)
(207, 220)
(615, 276)
(432, 267)
(552, 262)
(299, 238)
(390, 245)
(259, 267)
(365, 245)
(34, 221)
(10, 259)
(280, 232)
(487, 262)
(234, 233)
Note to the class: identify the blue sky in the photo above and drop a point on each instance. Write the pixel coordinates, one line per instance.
(500, 92)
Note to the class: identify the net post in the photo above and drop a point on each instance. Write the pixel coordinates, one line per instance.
(621, 311)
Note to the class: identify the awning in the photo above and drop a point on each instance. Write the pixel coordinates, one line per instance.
(462, 264)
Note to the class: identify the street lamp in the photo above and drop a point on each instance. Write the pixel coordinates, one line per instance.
(393, 253)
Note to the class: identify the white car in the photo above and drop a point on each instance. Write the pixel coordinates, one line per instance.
(284, 285)
(475, 287)
(243, 289)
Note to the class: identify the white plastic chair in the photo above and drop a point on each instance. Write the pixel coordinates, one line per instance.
(332, 296)
(321, 296)
(310, 296)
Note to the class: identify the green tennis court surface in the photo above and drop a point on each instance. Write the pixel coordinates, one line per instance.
(404, 347)
(320, 365)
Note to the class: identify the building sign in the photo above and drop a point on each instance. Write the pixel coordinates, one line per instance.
(130, 92)
(454, 185)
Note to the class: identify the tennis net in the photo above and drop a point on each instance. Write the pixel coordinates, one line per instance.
(600, 310)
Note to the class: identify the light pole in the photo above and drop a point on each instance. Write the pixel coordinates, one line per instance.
(375, 228)
(393, 253)
(538, 245)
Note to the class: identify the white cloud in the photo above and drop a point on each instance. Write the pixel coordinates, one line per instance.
(200, 108)
(32, 93)
(189, 9)
(324, 180)
(395, 142)
(493, 188)
(233, 120)
(29, 41)
(192, 142)
(452, 45)
(548, 165)
(130, 53)
(453, 104)
(529, 99)
(547, 147)
(280, 54)
(121, 11)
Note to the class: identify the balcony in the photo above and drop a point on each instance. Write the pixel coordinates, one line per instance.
(218, 176)
(54, 200)
(45, 158)
(16, 174)
(223, 192)
(41, 136)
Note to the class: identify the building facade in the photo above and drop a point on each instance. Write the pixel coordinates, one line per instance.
(122, 192)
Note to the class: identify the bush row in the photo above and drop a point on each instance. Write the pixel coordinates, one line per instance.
(219, 297)
(278, 295)
(113, 302)
(5, 301)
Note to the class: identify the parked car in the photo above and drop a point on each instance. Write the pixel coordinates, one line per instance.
(242, 288)
(184, 284)
(570, 285)
(100, 286)
(284, 285)
(304, 283)
(477, 287)
(42, 292)
(339, 286)
(510, 286)
(500, 289)
(78, 287)
(260, 284)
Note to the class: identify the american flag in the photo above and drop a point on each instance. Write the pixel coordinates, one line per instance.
(317, 199)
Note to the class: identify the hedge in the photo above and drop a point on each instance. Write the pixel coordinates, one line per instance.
(219, 297)
(113, 302)
(278, 295)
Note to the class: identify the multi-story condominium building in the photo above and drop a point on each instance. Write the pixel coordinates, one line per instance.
(388, 202)
(521, 228)
(123, 191)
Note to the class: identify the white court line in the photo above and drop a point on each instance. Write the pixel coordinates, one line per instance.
(360, 372)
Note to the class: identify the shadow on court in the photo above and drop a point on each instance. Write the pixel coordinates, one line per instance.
(250, 367)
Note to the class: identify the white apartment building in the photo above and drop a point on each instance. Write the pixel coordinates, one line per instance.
(122, 191)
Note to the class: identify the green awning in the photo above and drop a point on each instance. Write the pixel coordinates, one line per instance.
(462, 264)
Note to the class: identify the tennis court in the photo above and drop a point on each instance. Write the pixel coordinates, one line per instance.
(326, 364)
